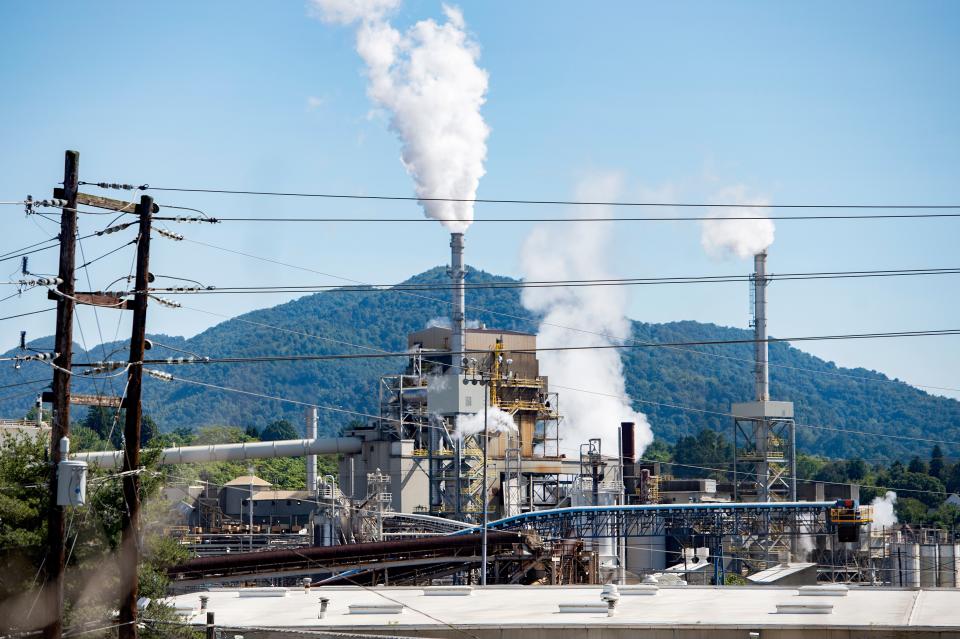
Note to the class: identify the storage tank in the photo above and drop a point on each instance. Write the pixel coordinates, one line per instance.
(904, 565)
(928, 565)
(947, 562)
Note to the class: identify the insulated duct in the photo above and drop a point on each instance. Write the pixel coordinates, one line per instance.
(761, 369)
(458, 337)
(232, 452)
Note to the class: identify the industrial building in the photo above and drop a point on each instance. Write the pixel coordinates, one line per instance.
(518, 612)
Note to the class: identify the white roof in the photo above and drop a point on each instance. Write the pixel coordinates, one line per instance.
(778, 572)
(246, 480)
(537, 607)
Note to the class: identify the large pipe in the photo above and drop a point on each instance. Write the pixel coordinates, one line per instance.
(312, 419)
(233, 452)
(458, 336)
(761, 369)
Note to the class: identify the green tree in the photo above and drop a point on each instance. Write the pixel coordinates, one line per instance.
(659, 450)
(833, 472)
(856, 470)
(910, 511)
(220, 435)
(937, 463)
(108, 424)
(917, 465)
(700, 454)
(953, 479)
(277, 430)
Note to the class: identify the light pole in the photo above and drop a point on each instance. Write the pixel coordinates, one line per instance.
(251, 470)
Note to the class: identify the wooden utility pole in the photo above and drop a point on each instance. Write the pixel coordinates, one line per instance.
(130, 535)
(60, 427)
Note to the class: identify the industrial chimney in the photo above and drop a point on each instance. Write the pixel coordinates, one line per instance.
(628, 452)
(457, 271)
(761, 369)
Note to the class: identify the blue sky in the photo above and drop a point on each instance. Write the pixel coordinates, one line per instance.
(813, 102)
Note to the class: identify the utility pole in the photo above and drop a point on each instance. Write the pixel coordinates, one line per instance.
(60, 426)
(130, 534)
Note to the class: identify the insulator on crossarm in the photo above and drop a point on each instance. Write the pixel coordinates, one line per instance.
(166, 302)
(103, 367)
(114, 229)
(170, 235)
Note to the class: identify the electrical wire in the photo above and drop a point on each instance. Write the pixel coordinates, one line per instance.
(834, 483)
(542, 349)
(529, 320)
(546, 202)
(52, 239)
(703, 279)
(43, 310)
(580, 220)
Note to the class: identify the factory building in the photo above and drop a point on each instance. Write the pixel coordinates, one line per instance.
(428, 439)
(610, 612)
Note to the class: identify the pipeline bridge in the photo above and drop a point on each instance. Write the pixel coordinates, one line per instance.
(648, 520)
(424, 546)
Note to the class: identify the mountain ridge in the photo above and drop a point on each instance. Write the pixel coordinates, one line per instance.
(828, 399)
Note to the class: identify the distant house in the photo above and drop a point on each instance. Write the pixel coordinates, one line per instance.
(235, 493)
(954, 500)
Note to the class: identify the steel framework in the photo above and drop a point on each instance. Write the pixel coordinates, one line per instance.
(649, 520)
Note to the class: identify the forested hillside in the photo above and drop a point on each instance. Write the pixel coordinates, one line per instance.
(826, 397)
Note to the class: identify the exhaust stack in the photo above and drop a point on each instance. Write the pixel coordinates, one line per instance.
(628, 450)
(457, 271)
(761, 369)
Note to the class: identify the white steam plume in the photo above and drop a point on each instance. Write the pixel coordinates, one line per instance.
(429, 81)
(498, 421)
(737, 238)
(578, 251)
(883, 510)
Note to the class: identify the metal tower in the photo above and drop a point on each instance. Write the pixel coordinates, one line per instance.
(764, 431)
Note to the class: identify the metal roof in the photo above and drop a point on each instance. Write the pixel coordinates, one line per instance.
(702, 607)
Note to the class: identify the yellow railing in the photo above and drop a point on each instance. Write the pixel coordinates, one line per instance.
(861, 515)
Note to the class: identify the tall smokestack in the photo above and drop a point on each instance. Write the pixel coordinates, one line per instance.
(761, 370)
(312, 419)
(458, 337)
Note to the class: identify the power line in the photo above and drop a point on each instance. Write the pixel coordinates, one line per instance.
(401, 198)
(508, 285)
(42, 310)
(627, 398)
(835, 483)
(539, 349)
(514, 220)
(530, 320)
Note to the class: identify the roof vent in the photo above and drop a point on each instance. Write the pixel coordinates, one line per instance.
(831, 590)
(597, 607)
(448, 591)
(376, 609)
(639, 589)
(262, 592)
(806, 608)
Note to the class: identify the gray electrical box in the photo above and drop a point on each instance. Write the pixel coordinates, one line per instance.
(72, 483)
(450, 396)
